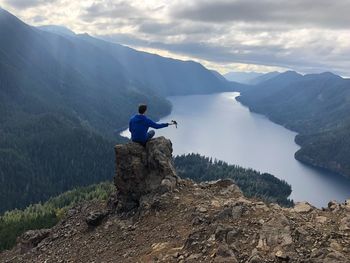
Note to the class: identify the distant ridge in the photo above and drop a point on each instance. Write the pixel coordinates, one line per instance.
(263, 78)
(242, 77)
(250, 78)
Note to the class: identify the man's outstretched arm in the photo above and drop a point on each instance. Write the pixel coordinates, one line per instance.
(154, 125)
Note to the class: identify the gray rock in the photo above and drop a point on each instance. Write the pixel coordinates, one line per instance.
(237, 212)
(221, 232)
(95, 218)
(194, 257)
(198, 220)
(231, 236)
(302, 207)
(220, 259)
(255, 259)
(345, 223)
(224, 251)
(282, 256)
(32, 238)
(333, 206)
(223, 183)
(321, 219)
(224, 214)
(142, 170)
(336, 257)
(275, 234)
(202, 209)
(167, 185)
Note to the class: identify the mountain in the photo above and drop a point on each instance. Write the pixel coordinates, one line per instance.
(156, 216)
(44, 72)
(218, 75)
(257, 93)
(264, 77)
(60, 30)
(250, 78)
(315, 105)
(242, 77)
(166, 76)
(230, 85)
(62, 96)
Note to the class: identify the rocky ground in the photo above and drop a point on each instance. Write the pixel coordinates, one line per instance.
(209, 222)
(174, 220)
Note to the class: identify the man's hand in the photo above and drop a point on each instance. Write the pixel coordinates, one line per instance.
(173, 123)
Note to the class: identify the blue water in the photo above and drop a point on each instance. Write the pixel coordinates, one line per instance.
(217, 125)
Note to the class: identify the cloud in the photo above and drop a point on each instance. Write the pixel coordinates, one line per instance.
(23, 4)
(304, 35)
(110, 9)
(308, 56)
(320, 13)
(177, 28)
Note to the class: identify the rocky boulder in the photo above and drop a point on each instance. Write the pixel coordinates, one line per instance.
(31, 239)
(141, 170)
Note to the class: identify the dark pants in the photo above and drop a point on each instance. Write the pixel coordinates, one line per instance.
(150, 134)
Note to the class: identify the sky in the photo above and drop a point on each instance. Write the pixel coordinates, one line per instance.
(308, 36)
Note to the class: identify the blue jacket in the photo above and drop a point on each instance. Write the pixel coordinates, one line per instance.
(138, 126)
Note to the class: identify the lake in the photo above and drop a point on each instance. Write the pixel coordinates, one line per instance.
(217, 125)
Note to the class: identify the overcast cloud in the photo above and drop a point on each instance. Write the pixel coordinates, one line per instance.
(262, 35)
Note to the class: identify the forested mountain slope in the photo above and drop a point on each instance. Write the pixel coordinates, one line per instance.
(43, 72)
(59, 104)
(62, 99)
(165, 76)
(315, 105)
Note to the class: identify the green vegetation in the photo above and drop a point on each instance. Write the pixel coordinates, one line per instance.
(317, 106)
(63, 99)
(47, 156)
(199, 168)
(46, 215)
(252, 183)
(60, 103)
(328, 149)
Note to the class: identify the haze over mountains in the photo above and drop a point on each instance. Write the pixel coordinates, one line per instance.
(62, 96)
(165, 76)
(250, 78)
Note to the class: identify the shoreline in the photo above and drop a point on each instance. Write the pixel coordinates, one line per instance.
(318, 167)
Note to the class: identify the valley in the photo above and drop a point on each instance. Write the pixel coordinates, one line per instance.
(217, 125)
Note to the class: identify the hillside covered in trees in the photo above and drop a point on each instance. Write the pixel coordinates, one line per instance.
(317, 106)
(63, 97)
(253, 184)
(45, 215)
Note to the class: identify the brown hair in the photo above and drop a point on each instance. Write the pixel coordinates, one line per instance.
(142, 108)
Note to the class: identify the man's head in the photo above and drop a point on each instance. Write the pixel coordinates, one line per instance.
(142, 108)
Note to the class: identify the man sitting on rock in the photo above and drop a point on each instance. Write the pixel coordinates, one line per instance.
(139, 124)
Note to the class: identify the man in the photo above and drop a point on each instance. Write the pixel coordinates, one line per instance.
(139, 124)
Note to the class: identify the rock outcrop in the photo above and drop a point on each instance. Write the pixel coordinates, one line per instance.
(188, 222)
(143, 170)
(31, 239)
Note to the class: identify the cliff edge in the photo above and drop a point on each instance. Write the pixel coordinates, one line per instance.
(157, 217)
